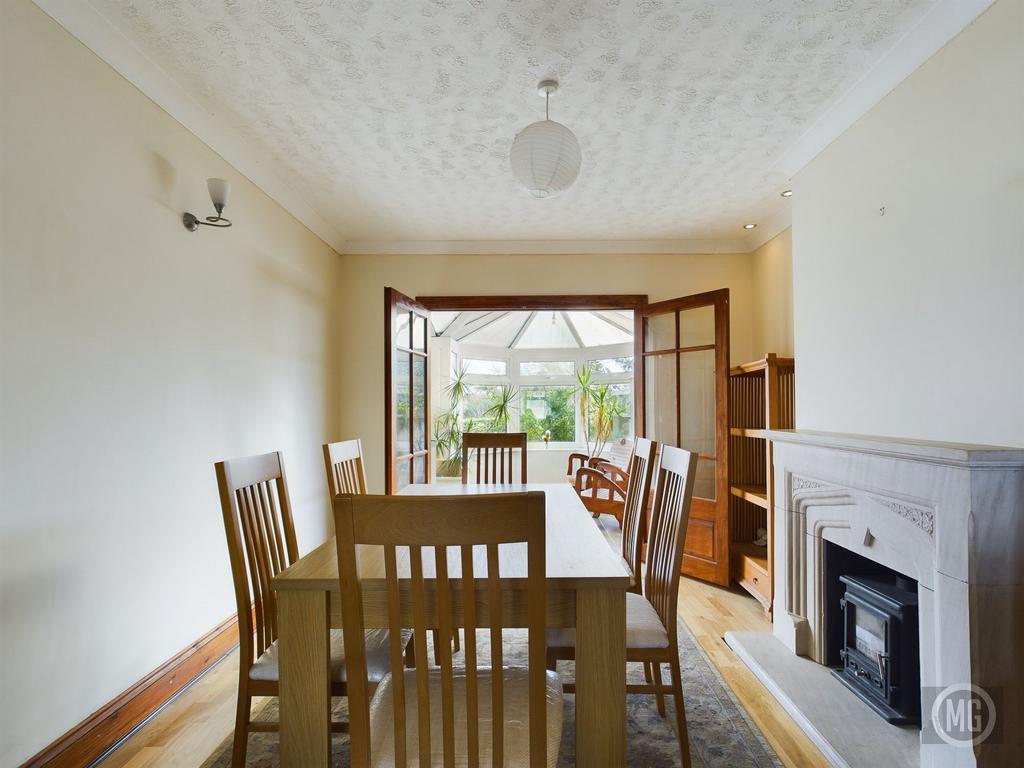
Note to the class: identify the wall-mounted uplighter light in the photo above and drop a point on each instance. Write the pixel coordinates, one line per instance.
(219, 191)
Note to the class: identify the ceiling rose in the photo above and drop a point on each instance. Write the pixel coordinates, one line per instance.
(545, 155)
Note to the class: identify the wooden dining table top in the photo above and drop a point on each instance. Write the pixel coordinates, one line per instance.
(577, 554)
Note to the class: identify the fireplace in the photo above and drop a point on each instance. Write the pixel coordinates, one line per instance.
(945, 517)
(871, 628)
(880, 651)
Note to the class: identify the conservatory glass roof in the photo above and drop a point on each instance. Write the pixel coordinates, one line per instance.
(541, 329)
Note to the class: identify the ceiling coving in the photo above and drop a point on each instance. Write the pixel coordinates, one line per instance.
(394, 120)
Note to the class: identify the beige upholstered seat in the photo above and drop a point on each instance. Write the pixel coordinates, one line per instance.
(378, 662)
(516, 739)
(643, 627)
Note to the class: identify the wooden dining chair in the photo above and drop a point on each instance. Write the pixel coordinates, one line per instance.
(493, 454)
(651, 630)
(488, 715)
(346, 474)
(261, 543)
(344, 464)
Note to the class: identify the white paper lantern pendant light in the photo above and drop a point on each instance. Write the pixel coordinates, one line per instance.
(545, 155)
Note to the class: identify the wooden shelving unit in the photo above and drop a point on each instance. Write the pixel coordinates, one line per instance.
(761, 397)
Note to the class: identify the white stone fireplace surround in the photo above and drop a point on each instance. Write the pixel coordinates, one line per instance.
(951, 517)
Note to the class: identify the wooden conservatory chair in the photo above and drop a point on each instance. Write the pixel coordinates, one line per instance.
(602, 482)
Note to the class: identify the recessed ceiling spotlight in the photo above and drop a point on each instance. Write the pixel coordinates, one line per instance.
(749, 226)
(787, 193)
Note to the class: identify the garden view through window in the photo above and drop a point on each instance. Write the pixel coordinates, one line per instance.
(565, 378)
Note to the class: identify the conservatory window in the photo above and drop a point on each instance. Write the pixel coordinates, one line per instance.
(548, 409)
(613, 365)
(479, 367)
(479, 400)
(547, 368)
(623, 426)
(518, 371)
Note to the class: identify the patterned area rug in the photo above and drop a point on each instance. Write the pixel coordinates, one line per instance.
(721, 734)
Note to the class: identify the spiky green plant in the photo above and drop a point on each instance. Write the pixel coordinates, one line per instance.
(502, 403)
(599, 409)
(449, 426)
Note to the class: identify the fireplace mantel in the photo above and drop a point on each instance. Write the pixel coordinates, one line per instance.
(950, 516)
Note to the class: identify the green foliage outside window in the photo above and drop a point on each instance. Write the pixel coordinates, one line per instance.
(548, 408)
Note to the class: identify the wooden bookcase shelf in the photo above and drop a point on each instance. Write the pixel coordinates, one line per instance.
(741, 432)
(761, 397)
(755, 494)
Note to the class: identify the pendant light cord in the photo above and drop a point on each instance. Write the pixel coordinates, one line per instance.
(547, 101)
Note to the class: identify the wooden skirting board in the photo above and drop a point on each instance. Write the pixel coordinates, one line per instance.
(91, 738)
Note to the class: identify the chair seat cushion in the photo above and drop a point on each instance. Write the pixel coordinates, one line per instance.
(378, 661)
(643, 627)
(516, 714)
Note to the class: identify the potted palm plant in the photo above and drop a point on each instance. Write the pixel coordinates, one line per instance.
(449, 426)
(598, 409)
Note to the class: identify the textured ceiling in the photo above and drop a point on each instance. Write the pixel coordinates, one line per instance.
(393, 119)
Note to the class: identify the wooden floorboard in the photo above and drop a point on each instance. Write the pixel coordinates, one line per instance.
(186, 731)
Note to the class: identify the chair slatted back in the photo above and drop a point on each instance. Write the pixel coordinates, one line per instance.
(493, 453)
(261, 543)
(669, 517)
(344, 464)
(437, 550)
(634, 514)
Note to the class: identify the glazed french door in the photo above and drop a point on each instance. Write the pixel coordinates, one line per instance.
(406, 387)
(682, 351)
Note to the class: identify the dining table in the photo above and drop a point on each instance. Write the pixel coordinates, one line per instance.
(586, 582)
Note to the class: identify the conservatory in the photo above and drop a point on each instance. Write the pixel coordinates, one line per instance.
(524, 372)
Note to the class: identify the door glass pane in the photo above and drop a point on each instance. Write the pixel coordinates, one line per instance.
(419, 469)
(402, 403)
(704, 485)
(402, 474)
(419, 332)
(419, 403)
(402, 328)
(697, 418)
(697, 327)
(660, 398)
(660, 332)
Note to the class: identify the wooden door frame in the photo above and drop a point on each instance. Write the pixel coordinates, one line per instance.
(392, 299)
(719, 299)
(526, 302)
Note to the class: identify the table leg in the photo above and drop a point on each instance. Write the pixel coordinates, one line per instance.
(600, 677)
(305, 693)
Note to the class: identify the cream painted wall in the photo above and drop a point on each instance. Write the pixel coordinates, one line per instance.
(134, 354)
(659, 276)
(910, 324)
(773, 296)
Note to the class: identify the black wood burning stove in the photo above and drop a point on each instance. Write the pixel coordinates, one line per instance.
(879, 650)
